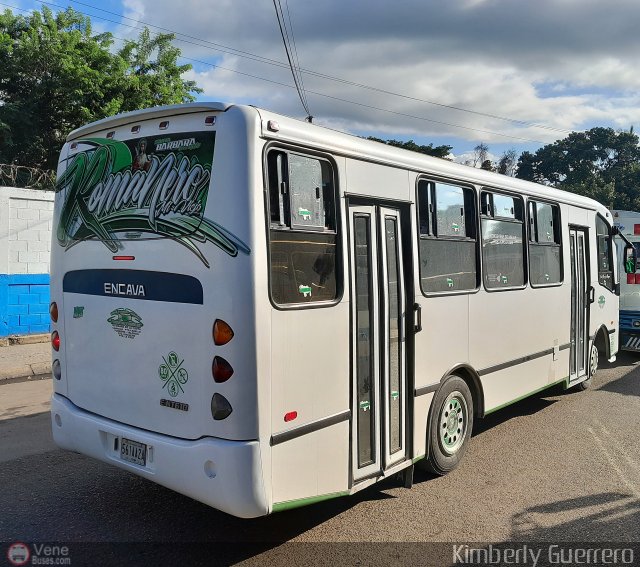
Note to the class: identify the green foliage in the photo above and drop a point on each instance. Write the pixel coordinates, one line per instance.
(600, 163)
(438, 151)
(55, 75)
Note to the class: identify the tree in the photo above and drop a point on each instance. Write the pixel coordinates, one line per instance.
(438, 151)
(150, 83)
(480, 154)
(507, 163)
(487, 165)
(600, 163)
(55, 75)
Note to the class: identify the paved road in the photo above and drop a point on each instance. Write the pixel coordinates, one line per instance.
(562, 466)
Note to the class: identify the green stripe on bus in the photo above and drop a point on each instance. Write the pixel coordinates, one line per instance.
(290, 504)
(526, 395)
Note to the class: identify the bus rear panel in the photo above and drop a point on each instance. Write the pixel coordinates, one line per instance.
(152, 251)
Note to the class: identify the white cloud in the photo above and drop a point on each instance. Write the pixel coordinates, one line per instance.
(565, 64)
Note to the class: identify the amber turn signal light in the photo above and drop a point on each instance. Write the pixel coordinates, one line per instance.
(53, 311)
(222, 332)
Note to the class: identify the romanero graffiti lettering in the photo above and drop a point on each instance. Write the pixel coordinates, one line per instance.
(108, 193)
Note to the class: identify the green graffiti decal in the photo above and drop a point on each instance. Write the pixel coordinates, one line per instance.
(109, 194)
(172, 374)
(78, 312)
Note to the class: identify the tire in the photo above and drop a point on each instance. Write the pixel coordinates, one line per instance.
(450, 425)
(593, 368)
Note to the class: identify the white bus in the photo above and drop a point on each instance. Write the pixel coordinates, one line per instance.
(628, 224)
(261, 313)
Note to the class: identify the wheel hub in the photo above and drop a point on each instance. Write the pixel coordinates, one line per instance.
(453, 422)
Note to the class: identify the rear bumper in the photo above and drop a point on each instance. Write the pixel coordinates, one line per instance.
(226, 475)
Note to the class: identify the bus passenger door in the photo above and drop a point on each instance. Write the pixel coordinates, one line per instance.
(579, 304)
(379, 376)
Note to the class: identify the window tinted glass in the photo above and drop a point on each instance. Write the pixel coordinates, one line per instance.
(448, 260)
(605, 269)
(504, 206)
(305, 187)
(502, 253)
(447, 265)
(450, 210)
(544, 265)
(544, 220)
(303, 239)
(302, 270)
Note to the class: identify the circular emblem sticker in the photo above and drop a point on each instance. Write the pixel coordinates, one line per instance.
(18, 554)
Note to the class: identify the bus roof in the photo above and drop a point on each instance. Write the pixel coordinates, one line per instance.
(322, 138)
(298, 131)
(146, 114)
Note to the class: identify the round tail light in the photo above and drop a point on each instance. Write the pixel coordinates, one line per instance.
(55, 341)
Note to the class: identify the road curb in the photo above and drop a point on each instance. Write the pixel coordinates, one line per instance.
(24, 340)
(24, 371)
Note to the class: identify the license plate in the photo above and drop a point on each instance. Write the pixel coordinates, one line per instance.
(133, 452)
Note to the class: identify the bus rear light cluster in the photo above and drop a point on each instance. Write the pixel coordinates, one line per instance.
(55, 341)
(221, 370)
(222, 332)
(636, 229)
(220, 407)
(633, 278)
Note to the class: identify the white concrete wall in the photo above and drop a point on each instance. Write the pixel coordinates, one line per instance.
(25, 230)
(25, 245)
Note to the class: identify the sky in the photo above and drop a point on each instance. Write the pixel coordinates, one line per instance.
(512, 74)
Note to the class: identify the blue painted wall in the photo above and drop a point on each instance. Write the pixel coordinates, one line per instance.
(24, 304)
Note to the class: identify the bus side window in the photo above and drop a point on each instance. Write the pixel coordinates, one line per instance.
(605, 263)
(302, 235)
(448, 237)
(545, 244)
(502, 240)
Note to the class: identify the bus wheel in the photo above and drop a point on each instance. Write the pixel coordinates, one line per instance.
(450, 426)
(593, 368)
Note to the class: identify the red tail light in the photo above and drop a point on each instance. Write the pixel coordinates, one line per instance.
(221, 369)
(636, 229)
(55, 341)
(631, 278)
(290, 416)
(53, 311)
(637, 278)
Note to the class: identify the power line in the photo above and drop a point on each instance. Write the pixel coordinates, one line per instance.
(206, 63)
(285, 41)
(268, 61)
(295, 51)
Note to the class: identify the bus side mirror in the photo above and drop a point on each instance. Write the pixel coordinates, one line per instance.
(630, 259)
